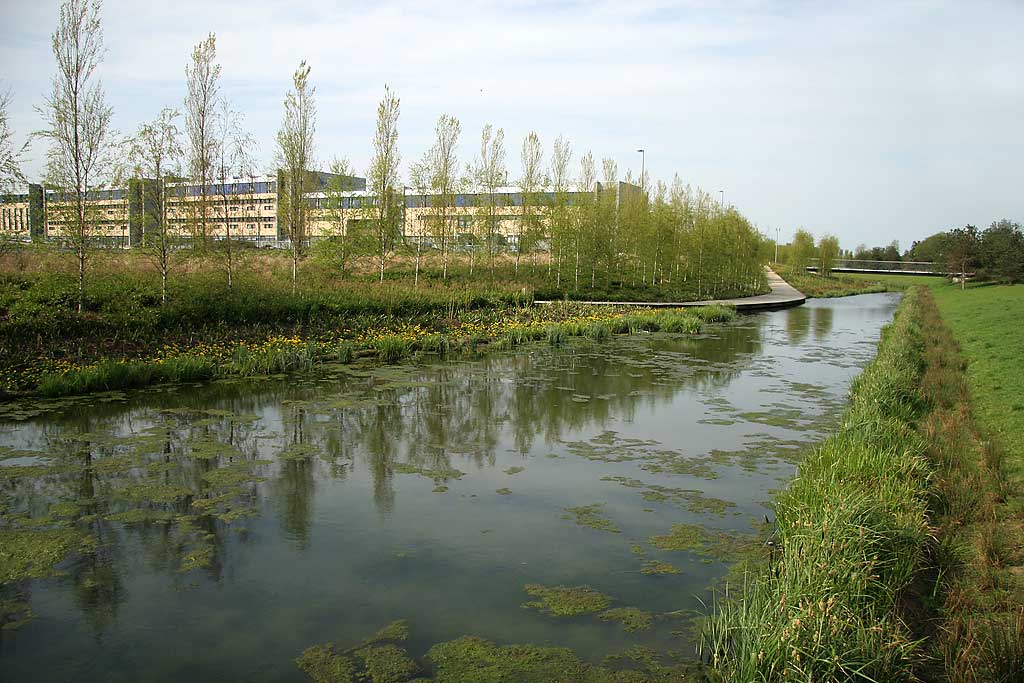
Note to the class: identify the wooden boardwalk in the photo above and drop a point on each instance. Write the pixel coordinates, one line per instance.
(783, 295)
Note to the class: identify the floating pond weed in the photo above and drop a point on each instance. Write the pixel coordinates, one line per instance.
(566, 601)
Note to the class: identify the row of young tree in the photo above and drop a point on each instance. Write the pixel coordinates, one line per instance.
(595, 230)
(802, 249)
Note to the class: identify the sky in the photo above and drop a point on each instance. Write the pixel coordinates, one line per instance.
(872, 121)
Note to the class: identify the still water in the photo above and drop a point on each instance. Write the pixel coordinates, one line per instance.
(218, 530)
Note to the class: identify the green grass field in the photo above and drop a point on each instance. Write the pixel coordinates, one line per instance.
(986, 320)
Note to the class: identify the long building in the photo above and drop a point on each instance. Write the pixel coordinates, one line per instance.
(250, 208)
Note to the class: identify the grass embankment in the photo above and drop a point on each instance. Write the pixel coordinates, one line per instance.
(986, 319)
(887, 562)
(282, 354)
(125, 336)
(849, 284)
(261, 327)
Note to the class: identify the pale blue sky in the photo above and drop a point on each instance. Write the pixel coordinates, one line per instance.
(871, 120)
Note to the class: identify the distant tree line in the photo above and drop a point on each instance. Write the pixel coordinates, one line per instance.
(996, 253)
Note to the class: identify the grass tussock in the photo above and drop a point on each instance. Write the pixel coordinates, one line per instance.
(112, 375)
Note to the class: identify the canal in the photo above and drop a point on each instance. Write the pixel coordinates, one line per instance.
(216, 531)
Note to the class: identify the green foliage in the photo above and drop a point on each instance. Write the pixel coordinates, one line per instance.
(801, 250)
(828, 252)
(269, 360)
(110, 374)
(1001, 253)
(392, 348)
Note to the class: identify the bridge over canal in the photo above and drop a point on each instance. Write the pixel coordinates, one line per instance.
(845, 265)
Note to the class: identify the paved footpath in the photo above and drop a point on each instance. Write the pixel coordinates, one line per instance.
(783, 295)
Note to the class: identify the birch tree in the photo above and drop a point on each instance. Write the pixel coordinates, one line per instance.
(559, 216)
(383, 178)
(234, 156)
(202, 78)
(828, 252)
(337, 249)
(156, 155)
(530, 185)
(438, 174)
(489, 173)
(10, 156)
(586, 215)
(77, 119)
(295, 156)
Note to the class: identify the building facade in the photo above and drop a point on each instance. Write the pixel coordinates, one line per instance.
(251, 209)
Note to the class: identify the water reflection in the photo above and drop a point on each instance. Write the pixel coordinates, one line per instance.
(822, 322)
(798, 324)
(170, 495)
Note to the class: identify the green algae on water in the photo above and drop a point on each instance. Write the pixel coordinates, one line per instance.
(386, 663)
(397, 630)
(590, 516)
(471, 659)
(713, 545)
(681, 537)
(443, 472)
(323, 665)
(504, 491)
(659, 568)
(514, 470)
(631, 618)
(566, 601)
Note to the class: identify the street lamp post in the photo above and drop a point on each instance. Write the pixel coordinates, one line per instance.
(643, 159)
(721, 205)
(776, 245)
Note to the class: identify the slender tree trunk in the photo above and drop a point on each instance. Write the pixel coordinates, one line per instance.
(295, 268)
(227, 235)
(163, 282)
(558, 267)
(576, 286)
(81, 276)
(416, 278)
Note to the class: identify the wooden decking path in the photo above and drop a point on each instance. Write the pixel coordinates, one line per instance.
(783, 295)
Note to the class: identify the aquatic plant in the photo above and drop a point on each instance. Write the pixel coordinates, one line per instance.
(392, 349)
(590, 516)
(566, 601)
(631, 618)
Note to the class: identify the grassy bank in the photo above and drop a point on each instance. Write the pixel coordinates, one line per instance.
(986, 322)
(816, 286)
(555, 324)
(879, 567)
(849, 284)
(125, 322)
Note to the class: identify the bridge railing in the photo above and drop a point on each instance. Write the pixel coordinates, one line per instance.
(885, 266)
